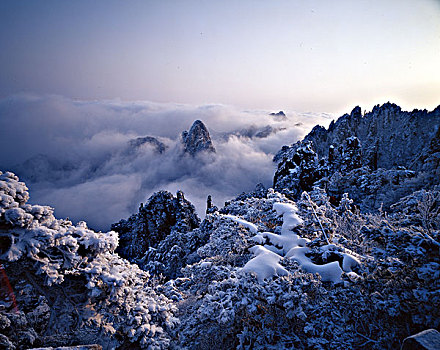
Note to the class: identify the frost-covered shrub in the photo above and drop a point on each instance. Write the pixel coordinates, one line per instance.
(422, 207)
(391, 293)
(293, 311)
(117, 298)
(372, 189)
(228, 242)
(403, 279)
(258, 210)
(239, 312)
(176, 251)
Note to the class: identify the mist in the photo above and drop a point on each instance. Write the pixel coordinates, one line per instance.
(76, 156)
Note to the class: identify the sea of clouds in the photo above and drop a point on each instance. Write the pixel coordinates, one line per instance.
(75, 155)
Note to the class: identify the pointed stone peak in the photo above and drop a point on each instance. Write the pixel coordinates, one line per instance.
(356, 112)
(197, 139)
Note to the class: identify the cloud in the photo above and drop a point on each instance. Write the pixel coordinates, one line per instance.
(98, 201)
(75, 155)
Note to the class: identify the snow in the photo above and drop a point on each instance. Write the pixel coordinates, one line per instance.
(18, 216)
(258, 239)
(349, 262)
(288, 244)
(290, 218)
(285, 241)
(265, 264)
(282, 208)
(252, 227)
(329, 272)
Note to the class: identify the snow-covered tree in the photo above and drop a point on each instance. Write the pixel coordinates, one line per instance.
(82, 289)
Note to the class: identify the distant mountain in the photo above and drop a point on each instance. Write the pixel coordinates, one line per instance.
(44, 168)
(197, 139)
(280, 116)
(138, 142)
(254, 132)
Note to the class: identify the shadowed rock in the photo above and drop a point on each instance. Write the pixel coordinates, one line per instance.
(155, 220)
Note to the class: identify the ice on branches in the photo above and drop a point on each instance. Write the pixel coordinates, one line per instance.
(120, 298)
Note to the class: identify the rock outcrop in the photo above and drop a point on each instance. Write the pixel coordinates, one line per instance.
(155, 220)
(280, 116)
(426, 340)
(389, 137)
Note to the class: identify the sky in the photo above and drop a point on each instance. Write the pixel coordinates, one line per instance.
(319, 56)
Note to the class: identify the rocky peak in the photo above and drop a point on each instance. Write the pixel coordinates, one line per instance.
(387, 108)
(197, 139)
(356, 112)
(389, 137)
(155, 220)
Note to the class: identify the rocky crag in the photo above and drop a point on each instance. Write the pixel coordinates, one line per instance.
(137, 143)
(197, 139)
(161, 214)
(369, 156)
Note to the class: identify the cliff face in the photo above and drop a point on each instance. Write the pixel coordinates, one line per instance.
(386, 139)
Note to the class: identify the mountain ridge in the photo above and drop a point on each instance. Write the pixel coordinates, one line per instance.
(387, 145)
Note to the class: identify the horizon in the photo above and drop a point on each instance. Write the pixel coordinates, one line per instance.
(119, 101)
